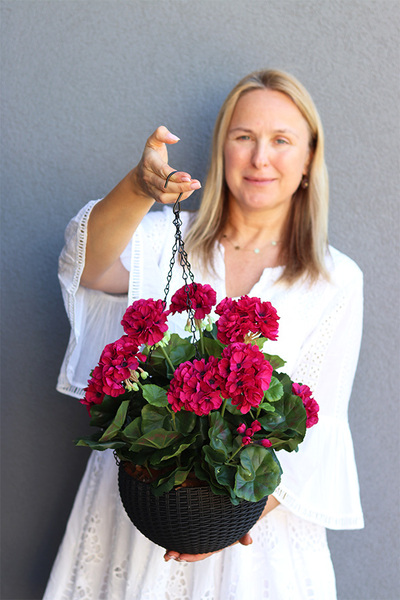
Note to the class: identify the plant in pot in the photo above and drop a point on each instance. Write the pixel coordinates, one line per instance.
(195, 422)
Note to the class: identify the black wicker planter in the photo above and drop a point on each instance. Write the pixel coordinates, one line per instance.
(189, 520)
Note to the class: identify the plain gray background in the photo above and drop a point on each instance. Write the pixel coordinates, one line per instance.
(83, 85)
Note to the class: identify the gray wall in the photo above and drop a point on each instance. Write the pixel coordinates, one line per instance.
(84, 83)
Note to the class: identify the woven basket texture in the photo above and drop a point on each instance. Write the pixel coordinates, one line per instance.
(189, 520)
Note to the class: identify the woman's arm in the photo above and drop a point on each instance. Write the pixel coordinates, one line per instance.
(115, 218)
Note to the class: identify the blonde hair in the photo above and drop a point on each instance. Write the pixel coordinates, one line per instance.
(305, 239)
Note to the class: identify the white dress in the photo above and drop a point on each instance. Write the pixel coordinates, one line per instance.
(103, 556)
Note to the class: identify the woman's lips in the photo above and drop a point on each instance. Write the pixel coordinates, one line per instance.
(259, 180)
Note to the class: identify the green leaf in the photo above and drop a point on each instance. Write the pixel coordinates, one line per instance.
(205, 472)
(155, 395)
(213, 347)
(287, 424)
(103, 414)
(275, 390)
(225, 475)
(180, 350)
(118, 422)
(215, 458)
(97, 445)
(157, 438)
(260, 341)
(132, 431)
(153, 417)
(184, 421)
(266, 406)
(258, 474)
(276, 361)
(169, 452)
(220, 434)
(173, 479)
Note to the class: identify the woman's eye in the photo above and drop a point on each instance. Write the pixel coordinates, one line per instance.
(243, 137)
(281, 141)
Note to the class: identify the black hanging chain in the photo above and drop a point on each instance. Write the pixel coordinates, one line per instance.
(187, 275)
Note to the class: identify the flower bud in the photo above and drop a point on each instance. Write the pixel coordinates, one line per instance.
(266, 443)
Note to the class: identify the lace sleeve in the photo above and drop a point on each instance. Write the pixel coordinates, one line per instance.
(93, 315)
(320, 482)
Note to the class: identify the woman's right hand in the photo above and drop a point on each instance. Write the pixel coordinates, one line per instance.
(114, 219)
(150, 175)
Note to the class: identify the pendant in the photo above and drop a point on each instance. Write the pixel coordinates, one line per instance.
(256, 250)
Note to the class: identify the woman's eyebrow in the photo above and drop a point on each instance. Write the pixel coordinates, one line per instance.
(275, 131)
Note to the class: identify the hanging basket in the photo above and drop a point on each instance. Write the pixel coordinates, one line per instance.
(190, 520)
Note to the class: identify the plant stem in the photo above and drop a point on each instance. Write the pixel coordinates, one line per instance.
(233, 455)
(167, 358)
(201, 341)
(223, 407)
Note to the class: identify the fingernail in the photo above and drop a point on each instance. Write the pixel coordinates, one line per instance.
(195, 186)
(173, 137)
(186, 179)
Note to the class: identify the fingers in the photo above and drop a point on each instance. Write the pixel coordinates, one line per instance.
(170, 554)
(161, 136)
(153, 171)
(179, 183)
(246, 539)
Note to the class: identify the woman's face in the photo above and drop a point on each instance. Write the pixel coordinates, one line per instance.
(266, 151)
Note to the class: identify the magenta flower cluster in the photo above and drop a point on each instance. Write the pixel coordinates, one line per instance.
(202, 299)
(195, 387)
(247, 315)
(117, 362)
(242, 374)
(311, 406)
(146, 321)
(245, 374)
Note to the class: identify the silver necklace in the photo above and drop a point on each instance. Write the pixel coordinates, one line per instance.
(255, 250)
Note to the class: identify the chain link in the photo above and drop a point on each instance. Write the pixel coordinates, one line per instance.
(179, 249)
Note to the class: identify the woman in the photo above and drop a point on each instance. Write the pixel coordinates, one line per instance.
(261, 230)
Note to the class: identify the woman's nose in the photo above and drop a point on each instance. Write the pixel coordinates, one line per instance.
(260, 157)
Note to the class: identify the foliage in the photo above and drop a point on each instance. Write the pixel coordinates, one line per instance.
(216, 406)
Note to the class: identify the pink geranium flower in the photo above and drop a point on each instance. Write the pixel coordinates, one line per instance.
(94, 391)
(145, 321)
(115, 366)
(247, 315)
(311, 406)
(195, 387)
(245, 375)
(116, 363)
(202, 298)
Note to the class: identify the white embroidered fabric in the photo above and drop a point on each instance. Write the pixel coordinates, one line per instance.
(103, 556)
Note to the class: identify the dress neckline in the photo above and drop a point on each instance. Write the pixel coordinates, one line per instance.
(270, 274)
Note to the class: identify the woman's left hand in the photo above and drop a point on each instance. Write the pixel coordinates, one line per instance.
(245, 540)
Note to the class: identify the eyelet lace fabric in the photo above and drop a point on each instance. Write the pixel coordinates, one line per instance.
(103, 556)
